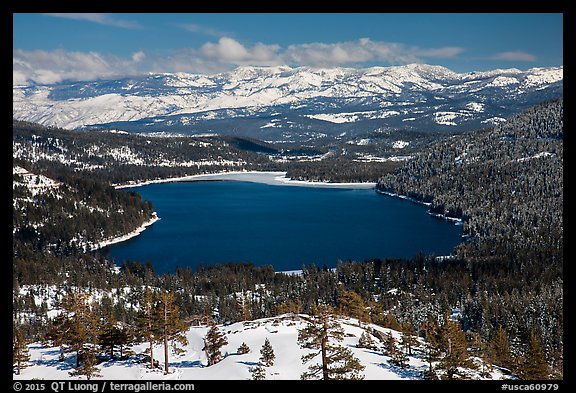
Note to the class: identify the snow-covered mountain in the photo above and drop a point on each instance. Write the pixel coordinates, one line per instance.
(283, 103)
(281, 331)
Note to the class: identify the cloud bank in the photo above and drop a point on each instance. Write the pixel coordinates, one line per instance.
(46, 67)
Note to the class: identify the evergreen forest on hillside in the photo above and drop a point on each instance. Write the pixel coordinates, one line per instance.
(503, 285)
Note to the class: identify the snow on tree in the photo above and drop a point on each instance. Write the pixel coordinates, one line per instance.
(534, 366)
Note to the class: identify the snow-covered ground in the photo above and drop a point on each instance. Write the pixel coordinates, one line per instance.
(127, 236)
(271, 178)
(281, 331)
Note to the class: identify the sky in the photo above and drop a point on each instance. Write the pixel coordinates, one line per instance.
(51, 48)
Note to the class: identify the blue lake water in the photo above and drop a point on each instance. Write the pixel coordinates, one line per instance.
(287, 227)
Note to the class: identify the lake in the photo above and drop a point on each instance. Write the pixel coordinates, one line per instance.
(287, 227)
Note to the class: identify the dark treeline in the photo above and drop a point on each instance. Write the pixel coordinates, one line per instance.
(340, 170)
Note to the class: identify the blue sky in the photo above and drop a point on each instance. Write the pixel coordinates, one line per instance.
(49, 48)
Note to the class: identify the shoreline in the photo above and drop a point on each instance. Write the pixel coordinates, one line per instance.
(127, 236)
(270, 178)
(456, 221)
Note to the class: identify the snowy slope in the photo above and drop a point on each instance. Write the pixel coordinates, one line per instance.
(282, 331)
(302, 97)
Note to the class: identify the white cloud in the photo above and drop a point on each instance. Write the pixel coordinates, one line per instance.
(45, 67)
(514, 56)
(138, 56)
(201, 29)
(361, 51)
(228, 50)
(100, 18)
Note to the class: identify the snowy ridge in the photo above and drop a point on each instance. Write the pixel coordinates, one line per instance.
(36, 184)
(282, 332)
(376, 94)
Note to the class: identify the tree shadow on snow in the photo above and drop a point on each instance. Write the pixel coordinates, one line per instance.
(187, 364)
(66, 364)
(404, 373)
(248, 363)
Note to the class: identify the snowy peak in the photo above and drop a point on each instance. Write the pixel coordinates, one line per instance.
(418, 95)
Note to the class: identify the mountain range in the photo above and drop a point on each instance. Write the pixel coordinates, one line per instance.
(283, 104)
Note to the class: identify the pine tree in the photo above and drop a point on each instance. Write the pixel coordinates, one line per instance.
(112, 336)
(432, 347)
(501, 349)
(482, 350)
(454, 350)
(244, 307)
(400, 359)
(148, 326)
(534, 366)
(290, 306)
(258, 372)
(213, 341)
(366, 341)
(337, 362)
(389, 344)
(76, 328)
(351, 304)
(172, 327)
(243, 349)
(88, 365)
(408, 340)
(20, 353)
(267, 354)
(82, 334)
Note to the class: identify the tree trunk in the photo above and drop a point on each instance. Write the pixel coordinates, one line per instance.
(165, 338)
(323, 343)
(151, 353)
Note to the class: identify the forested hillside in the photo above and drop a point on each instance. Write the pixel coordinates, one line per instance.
(506, 182)
(71, 212)
(116, 158)
(504, 285)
